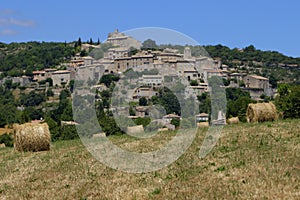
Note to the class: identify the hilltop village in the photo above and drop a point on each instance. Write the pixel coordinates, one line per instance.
(168, 62)
(154, 69)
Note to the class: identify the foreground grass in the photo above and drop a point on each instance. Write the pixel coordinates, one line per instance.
(250, 161)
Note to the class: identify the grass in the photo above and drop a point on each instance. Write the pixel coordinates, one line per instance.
(250, 161)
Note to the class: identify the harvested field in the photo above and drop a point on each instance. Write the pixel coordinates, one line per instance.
(6, 130)
(250, 161)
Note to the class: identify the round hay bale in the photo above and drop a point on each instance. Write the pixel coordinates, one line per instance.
(203, 124)
(261, 112)
(135, 129)
(233, 120)
(32, 137)
(162, 129)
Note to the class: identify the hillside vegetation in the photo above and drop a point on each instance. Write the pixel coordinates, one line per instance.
(17, 59)
(250, 161)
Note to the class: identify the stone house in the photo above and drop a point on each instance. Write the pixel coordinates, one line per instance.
(61, 77)
(168, 118)
(187, 69)
(151, 80)
(255, 81)
(135, 61)
(144, 91)
(202, 117)
(39, 75)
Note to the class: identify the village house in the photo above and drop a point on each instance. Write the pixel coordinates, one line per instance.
(168, 57)
(203, 62)
(151, 80)
(76, 63)
(237, 76)
(168, 118)
(257, 86)
(254, 81)
(90, 73)
(187, 69)
(194, 91)
(208, 73)
(202, 117)
(39, 75)
(135, 62)
(144, 91)
(141, 111)
(61, 77)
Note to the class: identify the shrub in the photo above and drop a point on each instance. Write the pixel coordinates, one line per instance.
(7, 140)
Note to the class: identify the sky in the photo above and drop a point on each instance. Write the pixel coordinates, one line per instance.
(266, 24)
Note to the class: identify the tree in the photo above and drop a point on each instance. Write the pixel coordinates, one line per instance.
(91, 41)
(149, 44)
(194, 83)
(8, 114)
(79, 42)
(143, 101)
(33, 99)
(169, 101)
(50, 93)
(83, 53)
(64, 94)
(107, 79)
(226, 82)
(175, 122)
(288, 101)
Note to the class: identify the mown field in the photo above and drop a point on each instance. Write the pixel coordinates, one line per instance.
(250, 161)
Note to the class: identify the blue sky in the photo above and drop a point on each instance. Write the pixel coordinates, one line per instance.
(268, 25)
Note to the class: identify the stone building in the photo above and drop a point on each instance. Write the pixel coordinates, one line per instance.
(117, 52)
(202, 117)
(151, 80)
(61, 77)
(135, 62)
(187, 69)
(254, 81)
(23, 80)
(39, 75)
(257, 86)
(144, 91)
(121, 40)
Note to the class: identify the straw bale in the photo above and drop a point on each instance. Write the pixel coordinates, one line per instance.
(261, 112)
(32, 137)
(135, 129)
(203, 124)
(233, 120)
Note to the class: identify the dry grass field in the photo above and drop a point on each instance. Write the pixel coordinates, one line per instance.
(6, 130)
(250, 161)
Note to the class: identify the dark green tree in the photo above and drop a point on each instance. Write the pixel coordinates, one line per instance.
(149, 44)
(143, 101)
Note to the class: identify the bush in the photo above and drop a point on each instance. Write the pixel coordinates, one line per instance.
(143, 101)
(68, 132)
(7, 140)
(288, 101)
(142, 121)
(175, 122)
